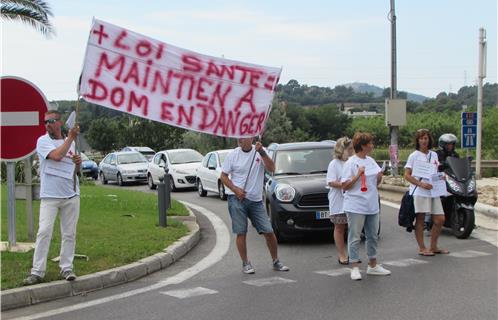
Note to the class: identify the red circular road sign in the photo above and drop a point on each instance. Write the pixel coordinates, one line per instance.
(22, 108)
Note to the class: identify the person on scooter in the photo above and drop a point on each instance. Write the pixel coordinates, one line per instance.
(447, 143)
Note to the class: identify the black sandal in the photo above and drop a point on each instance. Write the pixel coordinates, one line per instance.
(343, 262)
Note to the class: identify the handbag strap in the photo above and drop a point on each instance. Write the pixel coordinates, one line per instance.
(416, 186)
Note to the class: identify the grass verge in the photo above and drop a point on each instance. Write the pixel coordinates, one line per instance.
(115, 227)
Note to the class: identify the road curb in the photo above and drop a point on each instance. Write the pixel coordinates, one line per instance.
(481, 208)
(25, 296)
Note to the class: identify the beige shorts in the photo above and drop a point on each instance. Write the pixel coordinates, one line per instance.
(428, 205)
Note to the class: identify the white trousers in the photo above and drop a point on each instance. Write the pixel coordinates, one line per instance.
(69, 213)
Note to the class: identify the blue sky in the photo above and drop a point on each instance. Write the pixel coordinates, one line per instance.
(325, 43)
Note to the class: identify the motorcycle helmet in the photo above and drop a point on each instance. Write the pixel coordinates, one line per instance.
(446, 139)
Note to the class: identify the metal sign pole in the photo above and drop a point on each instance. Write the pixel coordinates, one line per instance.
(28, 179)
(11, 176)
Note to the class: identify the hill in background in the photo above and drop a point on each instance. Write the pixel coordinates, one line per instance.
(362, 87)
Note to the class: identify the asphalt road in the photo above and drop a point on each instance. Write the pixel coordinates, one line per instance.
(208, 283)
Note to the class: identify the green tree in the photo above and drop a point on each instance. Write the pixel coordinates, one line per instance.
(35, 13)
(103, 134)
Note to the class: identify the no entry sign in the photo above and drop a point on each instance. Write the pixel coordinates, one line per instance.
(22, 108)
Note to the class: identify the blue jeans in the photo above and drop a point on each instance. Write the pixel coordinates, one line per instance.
(254, 210)
(356, 222)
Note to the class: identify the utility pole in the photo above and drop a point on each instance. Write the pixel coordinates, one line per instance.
(393, 129)
(481, 75)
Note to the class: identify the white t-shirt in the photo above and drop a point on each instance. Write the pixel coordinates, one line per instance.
(237, 165)
(355, 200)
(336, 197)
(52, 186)
(420, 156)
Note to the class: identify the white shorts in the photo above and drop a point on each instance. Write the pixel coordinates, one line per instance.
(428, 205)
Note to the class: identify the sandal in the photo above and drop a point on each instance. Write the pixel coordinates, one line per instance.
(441, 251)
(426, 253)
(343, 262)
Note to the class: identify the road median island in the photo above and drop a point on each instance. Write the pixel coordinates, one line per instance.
(118, 233)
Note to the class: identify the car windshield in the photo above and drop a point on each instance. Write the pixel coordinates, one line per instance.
(222, 156)
(84, 157)
(303, 161)
(184, 156)
(131, 158)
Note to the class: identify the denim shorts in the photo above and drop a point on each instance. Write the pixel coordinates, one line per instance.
(254, 210)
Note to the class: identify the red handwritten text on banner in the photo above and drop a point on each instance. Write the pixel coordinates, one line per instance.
(136, 74)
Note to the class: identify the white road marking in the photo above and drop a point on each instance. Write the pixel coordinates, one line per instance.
(335, 272)
(268, 281)
(19, 118)
(219, 251)
(404, 262)
(468, 254)
(189, 293)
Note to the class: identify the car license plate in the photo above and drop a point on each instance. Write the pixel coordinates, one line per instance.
(320, 215)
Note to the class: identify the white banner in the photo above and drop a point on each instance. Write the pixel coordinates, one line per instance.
(132, 73)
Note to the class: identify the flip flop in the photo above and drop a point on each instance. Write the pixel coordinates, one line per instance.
(441, 251)
(343, 262)
(426, 253)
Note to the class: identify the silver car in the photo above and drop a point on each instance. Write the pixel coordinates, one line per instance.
(208, 174)
(123, 167)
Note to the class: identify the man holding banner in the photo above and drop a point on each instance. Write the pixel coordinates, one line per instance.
(59, 192)
(243, 173)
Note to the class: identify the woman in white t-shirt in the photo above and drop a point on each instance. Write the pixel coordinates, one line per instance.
(361, 204)
(342, 151)
(424, 203)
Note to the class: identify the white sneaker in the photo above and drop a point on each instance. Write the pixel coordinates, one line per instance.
(355, 274)
(247, 268)
(378, 270)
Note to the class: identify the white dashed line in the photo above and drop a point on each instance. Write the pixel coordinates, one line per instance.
(335, 272)
(469, 254)
(189, 293)
(268, 281)
(404, 262)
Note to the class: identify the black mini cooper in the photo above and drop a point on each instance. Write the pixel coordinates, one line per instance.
(296, 194)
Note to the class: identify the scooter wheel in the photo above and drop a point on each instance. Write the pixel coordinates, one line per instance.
(462, 223)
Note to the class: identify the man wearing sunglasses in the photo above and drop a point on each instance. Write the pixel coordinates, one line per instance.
(59, 192)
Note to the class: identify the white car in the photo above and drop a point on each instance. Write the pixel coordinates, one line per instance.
(209, 172)
(146, 151)
(123, 167)
(182, 165)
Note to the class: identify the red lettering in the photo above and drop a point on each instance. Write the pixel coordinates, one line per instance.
(104, 61)
(143, 48)
(191, 63)
(261, 121)
(270, 82)
(183, 78)
(207, 110)
(232, 121)
(201, 90)
(98, 90)
(140, 102)
(254, 78)
(118, 43)
(132, 74)
(166, 111)
(147, 72)
(159, 53)
(221, 97)
(182, 114)
(247, 98)
(101, 34)
(117, 97)
(164, 83)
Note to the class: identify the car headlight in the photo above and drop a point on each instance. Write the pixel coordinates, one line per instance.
(285, 192)
(453, 184)
(471, 187)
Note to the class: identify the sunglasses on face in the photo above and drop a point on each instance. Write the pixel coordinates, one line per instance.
(51, 121)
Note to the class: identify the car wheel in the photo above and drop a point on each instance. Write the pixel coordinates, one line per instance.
(102, 178)
(150, 182)
(172, 183)
(200, 189)
(120, 179)
(221, 191)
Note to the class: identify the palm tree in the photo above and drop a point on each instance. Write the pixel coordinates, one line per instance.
(33, 12)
